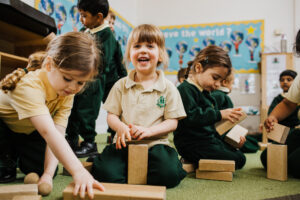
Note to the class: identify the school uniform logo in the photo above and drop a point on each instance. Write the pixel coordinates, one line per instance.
(161, 102)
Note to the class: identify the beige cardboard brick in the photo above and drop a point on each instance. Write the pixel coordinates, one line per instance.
(279, 133)
(216, 165)
(86, 165)
(233, 136)
(137, 164)
(7, 192)
(121, 192)
(277, 162)
(27, 197)
(224, 125)
(219, 176)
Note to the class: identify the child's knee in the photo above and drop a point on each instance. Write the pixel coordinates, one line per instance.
(241, 161)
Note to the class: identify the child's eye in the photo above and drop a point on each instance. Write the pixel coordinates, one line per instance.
(150, 45)
(136, 46)
(66, 79)
(80, 83)
(215, 78)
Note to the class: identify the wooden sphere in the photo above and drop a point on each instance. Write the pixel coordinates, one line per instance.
(44, 189)
(31, 178)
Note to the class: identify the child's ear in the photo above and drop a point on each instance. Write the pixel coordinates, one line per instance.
(198, 68)
(100, 17)
(48, 63)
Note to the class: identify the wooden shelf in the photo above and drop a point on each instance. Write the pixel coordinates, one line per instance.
(9, 63)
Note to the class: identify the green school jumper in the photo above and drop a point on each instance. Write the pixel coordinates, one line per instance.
(224, 102)
(195, 137)
(294, 134)
(82, 120)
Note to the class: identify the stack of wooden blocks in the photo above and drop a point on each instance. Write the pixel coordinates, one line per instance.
(215, 169)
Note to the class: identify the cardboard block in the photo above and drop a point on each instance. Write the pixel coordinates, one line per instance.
(115, 191)
(216, 165)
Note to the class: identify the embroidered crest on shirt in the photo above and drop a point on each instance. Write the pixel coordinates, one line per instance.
(161, 102)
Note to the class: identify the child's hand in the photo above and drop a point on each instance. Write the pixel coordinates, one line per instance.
(232, 114)
(84, 181)
(242, 141)
(269, 123)
(139, 132)
(122, 134)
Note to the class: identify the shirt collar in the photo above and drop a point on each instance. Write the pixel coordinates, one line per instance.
(159, 85)
(224, 89)
(97, 29)
(195, 84)
(50, 92)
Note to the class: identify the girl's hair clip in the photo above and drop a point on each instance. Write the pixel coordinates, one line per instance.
(25, 70)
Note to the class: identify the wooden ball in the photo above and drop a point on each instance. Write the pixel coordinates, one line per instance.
(44, 189)
(31, 178)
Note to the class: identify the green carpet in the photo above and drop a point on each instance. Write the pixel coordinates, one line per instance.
(248, 183)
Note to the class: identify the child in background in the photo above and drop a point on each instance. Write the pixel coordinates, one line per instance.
(84, 114)
(286, 79)
(34, 112)
(248, 144)
(181, 75)
(284, 109)
(196, 137)
(143, 108)
(111, 18)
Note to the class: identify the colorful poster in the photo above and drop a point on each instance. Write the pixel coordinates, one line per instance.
(66, 16)
(242, 40)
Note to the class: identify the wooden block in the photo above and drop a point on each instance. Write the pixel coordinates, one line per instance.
(277, 162)
(86, 165)
(263, 146)
(121, 192)
(137, 164)
(220, 176)
(233, 136)
(27, 197)
(7, 192)
(188, 166)
(279, 133)
(216, 165)
(224, 125)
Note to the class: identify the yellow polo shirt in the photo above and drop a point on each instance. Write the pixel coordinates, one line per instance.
(145, 107)
(33, 96)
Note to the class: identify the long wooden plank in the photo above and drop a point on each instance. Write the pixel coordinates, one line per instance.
(27, 197)
(219, 176)
(7, 192)
(115, 191)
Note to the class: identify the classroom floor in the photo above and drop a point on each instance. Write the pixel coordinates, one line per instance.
(248, 183)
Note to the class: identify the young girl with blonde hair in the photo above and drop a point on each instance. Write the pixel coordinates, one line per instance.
(35, 103)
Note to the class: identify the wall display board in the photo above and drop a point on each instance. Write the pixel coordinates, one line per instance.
(67, 18)
(242, 40)
(272, 65)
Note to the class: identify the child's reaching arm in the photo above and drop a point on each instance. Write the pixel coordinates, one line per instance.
(121, 129)
(232, 114)
(55, 140)
(165, 127)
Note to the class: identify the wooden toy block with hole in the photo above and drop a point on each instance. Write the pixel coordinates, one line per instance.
(216, 165)
(279, 133)
(188, 166)
(86, 165)
(7, 192)
(137, 164)
(277, 162)
(233, 136)
(224, 125)
(121, 192)
(27, 197)
(220, 176)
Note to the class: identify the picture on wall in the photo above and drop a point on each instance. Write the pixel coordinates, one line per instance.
(242, 40)
(67, 18)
